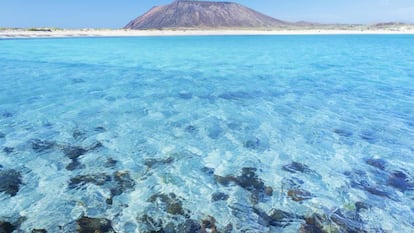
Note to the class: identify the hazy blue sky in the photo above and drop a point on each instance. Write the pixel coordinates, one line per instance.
(117, 13)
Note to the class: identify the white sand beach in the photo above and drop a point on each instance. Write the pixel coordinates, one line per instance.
(45, 33)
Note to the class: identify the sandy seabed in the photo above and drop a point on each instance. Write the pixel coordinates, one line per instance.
(21, 33)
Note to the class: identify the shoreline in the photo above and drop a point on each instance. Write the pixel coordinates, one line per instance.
(66, 33)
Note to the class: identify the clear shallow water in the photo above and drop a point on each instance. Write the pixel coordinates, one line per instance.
(261, 133)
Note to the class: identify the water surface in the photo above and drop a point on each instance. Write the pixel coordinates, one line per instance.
(182, 134)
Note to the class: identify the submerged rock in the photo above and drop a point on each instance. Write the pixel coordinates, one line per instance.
(314, 224)
(337, 221)
(77, 134)
(77, 80)
(6, 227)
(247, 217)
(276, 218)
(11, 226)
(297, 167)
(209, 97)
(235, 95)
(298, 194)
(376, 190)
(41, 145)
(268, 191)
(368, 136)
(150, 163)
(38, 231)
(189, 226)
(173, 205)
(94, 225)
(209, 225)
(249, 181)
(257, 144)
(228, 228)
(378, 163)
(111, 98)
(207, 170)
(97, 179)
(151, 225)
(95, 146)
(6, 114)
(292, 182)
(8, 150)
(349, 222)
(219, 196)
(235, 126)
(294, 190)
(74, 152)
(119, 183)
(361, 206)
(252, 144)
(224, 180)
(191, 129)
(185, 95)
(10, 181)
(74, 164)
(343, 132)
(282, 218)
(400, 181)
(2, 135)
(360, 180)
(99, 129)
(123, 183)
(110, 162)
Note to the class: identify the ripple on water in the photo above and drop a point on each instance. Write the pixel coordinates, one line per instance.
(207, 137)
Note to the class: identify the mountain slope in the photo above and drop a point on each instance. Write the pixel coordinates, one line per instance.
(202, 14)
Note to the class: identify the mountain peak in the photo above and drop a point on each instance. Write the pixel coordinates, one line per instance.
(202, 14)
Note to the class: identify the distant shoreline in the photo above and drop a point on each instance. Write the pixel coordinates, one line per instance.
(64, 33)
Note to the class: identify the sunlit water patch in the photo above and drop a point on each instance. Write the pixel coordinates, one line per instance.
(207, 134)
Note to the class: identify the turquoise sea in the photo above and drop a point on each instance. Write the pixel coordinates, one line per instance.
(207, 134)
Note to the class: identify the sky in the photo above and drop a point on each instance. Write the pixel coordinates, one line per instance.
(117, 13)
